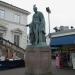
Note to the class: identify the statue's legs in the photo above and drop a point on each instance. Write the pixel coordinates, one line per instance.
(40, 37)
(36, 34)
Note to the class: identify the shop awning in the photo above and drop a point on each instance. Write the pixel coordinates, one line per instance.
(63, 40)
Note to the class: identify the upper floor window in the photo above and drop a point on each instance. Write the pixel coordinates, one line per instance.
(2, 13)
(16, 18)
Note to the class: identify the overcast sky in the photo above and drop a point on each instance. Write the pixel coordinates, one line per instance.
(62, 11)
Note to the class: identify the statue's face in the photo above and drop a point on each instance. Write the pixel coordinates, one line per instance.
(35, 9)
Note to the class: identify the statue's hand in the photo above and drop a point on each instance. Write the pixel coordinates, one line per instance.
(27, 25)
(43, 32)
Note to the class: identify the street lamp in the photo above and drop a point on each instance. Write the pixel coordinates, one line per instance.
(48, 11)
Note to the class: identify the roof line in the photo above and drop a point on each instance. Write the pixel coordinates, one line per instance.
(14, 7)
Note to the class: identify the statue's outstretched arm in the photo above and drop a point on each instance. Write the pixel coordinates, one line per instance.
(27, 25)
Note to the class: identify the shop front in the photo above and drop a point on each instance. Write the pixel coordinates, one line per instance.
(66, 49)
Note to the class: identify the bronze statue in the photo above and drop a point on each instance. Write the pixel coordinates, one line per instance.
(37, 28)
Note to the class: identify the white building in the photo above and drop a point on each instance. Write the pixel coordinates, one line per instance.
(12, 24)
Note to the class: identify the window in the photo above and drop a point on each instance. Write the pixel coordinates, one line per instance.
(2, 13)
(1, 35)
(16, 39)
(16, 18)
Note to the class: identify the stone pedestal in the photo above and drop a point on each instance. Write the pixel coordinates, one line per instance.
(37, 61)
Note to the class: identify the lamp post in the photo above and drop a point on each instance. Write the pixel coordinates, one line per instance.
(48, 11)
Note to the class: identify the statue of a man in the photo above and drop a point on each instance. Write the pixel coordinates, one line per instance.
(37, 28)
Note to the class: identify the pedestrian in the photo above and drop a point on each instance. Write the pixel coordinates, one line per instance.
(57, 61)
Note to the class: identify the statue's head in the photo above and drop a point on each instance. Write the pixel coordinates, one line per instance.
(35, 8)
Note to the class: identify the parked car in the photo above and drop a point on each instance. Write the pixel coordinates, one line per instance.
(9, 64)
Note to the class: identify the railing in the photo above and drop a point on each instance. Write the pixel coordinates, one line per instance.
(14, 47)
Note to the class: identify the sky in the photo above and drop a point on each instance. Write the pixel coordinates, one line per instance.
(62, 11)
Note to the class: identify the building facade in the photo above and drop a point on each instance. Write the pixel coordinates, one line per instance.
(12, 24)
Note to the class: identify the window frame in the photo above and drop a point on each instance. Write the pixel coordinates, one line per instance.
(2, 17)
(17, 42)
(15, 17)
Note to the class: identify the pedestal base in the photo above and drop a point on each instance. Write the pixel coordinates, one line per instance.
(37, 61)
